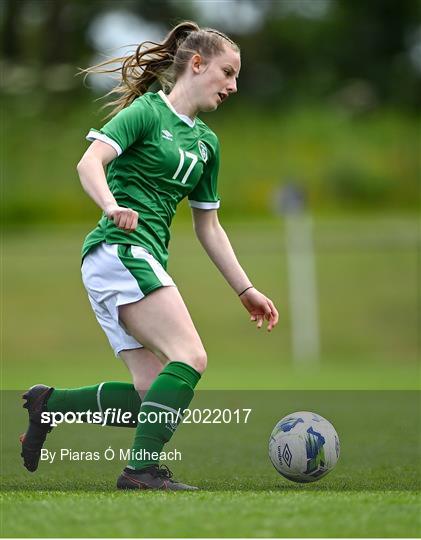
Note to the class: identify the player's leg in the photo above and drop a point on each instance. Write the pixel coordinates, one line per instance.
(144, 367)
(162, 323)
(108, 283)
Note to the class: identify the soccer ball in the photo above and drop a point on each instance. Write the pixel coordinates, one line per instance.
(304, 447)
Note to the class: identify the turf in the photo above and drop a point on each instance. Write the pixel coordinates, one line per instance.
(374, 490)
(272, 513)
(367, 274)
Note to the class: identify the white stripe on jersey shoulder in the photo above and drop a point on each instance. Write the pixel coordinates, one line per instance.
(92, 135)
(205, 205)
(182, 117)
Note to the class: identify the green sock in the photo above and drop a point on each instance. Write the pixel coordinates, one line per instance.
(98, 398)
(172, 391)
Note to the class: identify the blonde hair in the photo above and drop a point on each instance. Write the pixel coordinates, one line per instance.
(160, 62)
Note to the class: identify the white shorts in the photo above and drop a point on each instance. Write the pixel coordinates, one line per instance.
(117, 274)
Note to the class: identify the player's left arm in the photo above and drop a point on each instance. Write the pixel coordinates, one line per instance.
(217, 245)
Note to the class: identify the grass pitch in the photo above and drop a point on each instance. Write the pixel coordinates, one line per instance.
(270, 513)
(367, 273)
(373, 491)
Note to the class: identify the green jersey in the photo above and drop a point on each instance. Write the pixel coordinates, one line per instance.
(162, 157)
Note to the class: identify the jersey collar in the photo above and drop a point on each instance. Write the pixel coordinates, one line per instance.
(182, 117)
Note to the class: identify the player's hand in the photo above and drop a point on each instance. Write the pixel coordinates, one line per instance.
(260, 308)
(123, 218)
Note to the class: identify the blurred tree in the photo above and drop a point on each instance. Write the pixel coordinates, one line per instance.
(371, 42)
(299, 48)
(10, 29)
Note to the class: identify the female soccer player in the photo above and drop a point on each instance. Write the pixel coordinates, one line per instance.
(155, 151)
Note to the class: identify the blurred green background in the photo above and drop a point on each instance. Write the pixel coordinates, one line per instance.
(328, 101)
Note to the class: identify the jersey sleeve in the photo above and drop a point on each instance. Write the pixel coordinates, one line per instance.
(205, 194)
(127, 126)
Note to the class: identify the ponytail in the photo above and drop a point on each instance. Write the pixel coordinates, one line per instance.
(158, 62)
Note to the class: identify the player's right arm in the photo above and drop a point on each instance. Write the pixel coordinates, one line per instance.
(91, 170)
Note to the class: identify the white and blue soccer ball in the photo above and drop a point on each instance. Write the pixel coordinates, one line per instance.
(304, 447)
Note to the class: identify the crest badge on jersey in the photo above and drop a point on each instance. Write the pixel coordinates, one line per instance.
(203, 151)
(167, 134)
